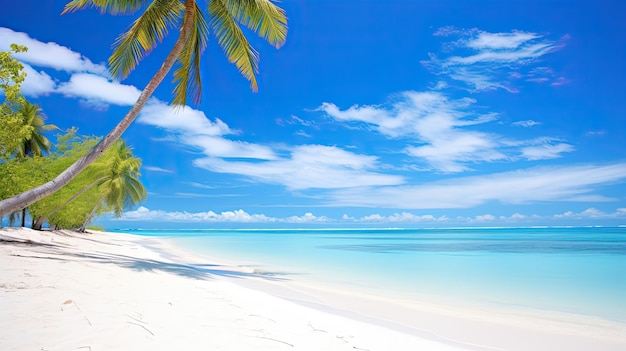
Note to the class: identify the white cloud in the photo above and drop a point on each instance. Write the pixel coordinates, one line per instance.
(157, 169)
(404, 217)
(98, 90)
(37, 82)
(237, 216)
(435, 122)
(569, 183)
(184, 120)
(546, 149)
(591, 213)
(241, 216)
(306, 218)
(518, 55)
(88, 81)
(308, 166)
(48, 54)
(296, 167)
(496, 41)
(191, 127)
(484, 218)
(595, 133)
(494, 59)
(526, 123)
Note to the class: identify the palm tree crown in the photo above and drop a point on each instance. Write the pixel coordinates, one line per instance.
(120, 184)
(222, 17)
(36, 144)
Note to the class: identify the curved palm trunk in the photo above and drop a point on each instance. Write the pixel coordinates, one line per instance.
(28, 197)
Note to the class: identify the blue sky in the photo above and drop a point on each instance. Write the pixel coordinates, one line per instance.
(392, 114)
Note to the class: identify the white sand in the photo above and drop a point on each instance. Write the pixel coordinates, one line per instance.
(101, 291)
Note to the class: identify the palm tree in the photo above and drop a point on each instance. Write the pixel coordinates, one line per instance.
(122, 189)
(117, 178)
(36, 144)
(223, 17)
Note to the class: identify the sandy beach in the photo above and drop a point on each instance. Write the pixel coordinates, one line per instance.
(109, 291)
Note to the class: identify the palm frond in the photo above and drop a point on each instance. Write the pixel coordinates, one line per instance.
(261, 16)
(234, 43)
(187, 75)
(143, 36)
(113, 7)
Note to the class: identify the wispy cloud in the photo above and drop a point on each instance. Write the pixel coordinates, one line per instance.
(157, 169)
(307, 167)
(526, 123)
(201, 186)
(545, 149)
(442, 133)
(493, 60)
(568, 183)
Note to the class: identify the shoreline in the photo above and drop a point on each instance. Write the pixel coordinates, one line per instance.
(273, 311)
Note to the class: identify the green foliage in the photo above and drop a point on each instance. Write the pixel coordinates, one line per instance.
(35, 144)
(111, 184)
(70, 148)
(12, 128)
(19, 174)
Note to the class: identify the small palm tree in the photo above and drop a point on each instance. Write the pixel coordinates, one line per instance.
(35, 144)
(122, 189)
(116, 176)
(224, 18)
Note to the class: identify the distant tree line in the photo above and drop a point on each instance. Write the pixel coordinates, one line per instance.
(28, 159)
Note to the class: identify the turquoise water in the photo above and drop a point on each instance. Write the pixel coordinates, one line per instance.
(572, 270)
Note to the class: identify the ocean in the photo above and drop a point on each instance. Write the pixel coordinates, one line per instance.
(580, 271)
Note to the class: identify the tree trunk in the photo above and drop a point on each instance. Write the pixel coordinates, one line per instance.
(89, 218)
(23, 217)
(28, 197)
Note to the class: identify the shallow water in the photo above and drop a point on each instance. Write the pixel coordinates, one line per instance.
(573, 270)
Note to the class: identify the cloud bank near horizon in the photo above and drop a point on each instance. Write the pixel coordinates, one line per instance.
(240, 216)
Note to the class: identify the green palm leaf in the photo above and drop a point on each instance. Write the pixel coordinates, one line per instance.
(187, 75)
(261, 16)
(111, 6)
(234, 43)
(144, 35)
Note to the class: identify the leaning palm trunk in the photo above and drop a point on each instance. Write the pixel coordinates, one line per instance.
(90, 217)
(28, 197)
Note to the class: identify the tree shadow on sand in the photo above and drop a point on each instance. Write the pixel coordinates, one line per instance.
(202, 271)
